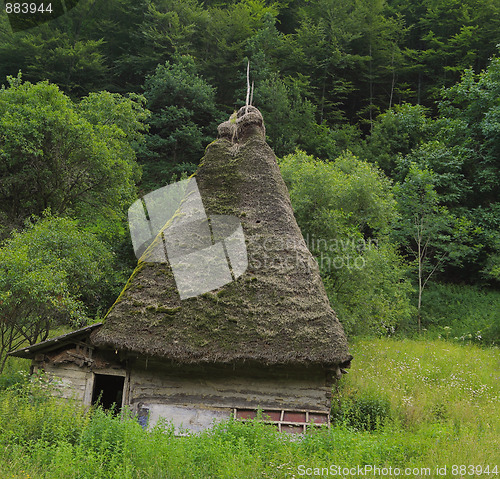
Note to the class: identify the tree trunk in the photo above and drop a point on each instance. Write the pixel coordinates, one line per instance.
(420, 268)
(419, 86)
(393, 83)
(371, 89)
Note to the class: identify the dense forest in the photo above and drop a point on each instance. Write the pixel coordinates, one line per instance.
(384, 114)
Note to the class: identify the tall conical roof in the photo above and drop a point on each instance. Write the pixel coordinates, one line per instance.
(276, 312)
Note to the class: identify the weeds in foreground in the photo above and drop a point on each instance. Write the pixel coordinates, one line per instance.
(404, 404)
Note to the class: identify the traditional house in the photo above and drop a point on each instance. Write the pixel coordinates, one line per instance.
(268, 340)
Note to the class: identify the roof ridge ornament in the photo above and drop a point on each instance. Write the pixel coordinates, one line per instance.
(249, 99)
(244, 123)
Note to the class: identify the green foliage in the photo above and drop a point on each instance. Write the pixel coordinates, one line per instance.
(182, 121)
(52, 156)
(462, 313)
(360, 57)
(352, 189)
(369, 292)
(30, 418)
(441, 399)
(396, 133)
(458, 155)
(345, 209)
(423, 220)
(231, 34)
(470, 124)
(12, 380)
(58, 52)
(50, 272)
(121, 121)
(290, 118)
(431, 237)
(126, 115)
(446, 38)
(447, 168)
(362, 412)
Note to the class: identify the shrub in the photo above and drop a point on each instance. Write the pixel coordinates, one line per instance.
(29, 414)
(14, 379)
(366, 412)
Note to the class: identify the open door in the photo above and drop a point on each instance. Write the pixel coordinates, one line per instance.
(108, 391)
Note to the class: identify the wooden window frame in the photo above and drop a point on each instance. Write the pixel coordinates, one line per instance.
(283, 424)
(89, 386)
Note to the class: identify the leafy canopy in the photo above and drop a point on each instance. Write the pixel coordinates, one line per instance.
(49, 272)
(74, 159)
(345, 209)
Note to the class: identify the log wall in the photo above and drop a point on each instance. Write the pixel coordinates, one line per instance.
(71, 381)
(193, 397)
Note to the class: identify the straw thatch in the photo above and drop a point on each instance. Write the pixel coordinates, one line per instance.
(277, 312)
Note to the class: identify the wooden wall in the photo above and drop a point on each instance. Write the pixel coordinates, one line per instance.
(241, 387)
(71, 380)
(192, 397)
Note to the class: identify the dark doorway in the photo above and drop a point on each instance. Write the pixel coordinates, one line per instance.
(108, 390)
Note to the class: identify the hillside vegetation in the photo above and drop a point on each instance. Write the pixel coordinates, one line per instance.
(383, 114)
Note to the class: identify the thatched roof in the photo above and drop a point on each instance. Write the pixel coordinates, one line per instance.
(276, 312)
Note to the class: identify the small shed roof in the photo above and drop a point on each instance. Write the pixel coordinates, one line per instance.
(55, 343)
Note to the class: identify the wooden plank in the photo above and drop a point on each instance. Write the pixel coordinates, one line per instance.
(111, 372)
(240, 392)
(126, 390)
(89, 387)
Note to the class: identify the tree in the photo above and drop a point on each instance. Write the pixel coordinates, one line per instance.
(183, 121)
(321, 49)
(396, 133)
(58, 51)
(470, 123)
(53, 272)
(445, 38)
(345, 209)
(467, 164)
(54, 154)
(290, 118)
(223, 44)
(460, 151)
(449, 176)
(423, 228)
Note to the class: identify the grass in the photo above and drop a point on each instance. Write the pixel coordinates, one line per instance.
(462, 313)
(428, 381)
(405, 403)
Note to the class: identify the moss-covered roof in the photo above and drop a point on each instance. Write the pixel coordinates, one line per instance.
(277, 312)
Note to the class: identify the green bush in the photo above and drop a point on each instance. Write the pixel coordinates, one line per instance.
(28, 414)
(14, 379)
(364, 412)
(345, 209)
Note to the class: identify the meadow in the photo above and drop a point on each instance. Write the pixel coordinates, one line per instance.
(404, 404)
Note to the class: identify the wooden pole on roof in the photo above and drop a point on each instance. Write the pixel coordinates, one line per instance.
(248, 102)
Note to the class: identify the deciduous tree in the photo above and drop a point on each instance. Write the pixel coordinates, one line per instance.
(74, 160)
(53, 272)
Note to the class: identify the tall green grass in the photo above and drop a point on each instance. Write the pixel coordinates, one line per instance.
(403, 404)
(462, 313)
